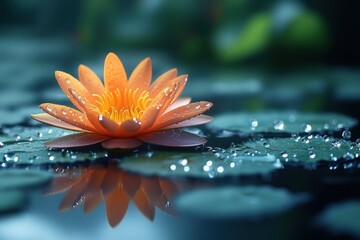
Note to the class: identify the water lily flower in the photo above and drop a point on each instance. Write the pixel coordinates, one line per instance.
(124, 112)
(92, 185)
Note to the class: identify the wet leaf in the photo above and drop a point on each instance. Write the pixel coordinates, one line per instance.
(250, 202)
(307, 149)
(288, 122)
(208, 165)
(25, 146)
(342, 218)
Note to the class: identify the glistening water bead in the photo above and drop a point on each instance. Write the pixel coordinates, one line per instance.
(346, 134)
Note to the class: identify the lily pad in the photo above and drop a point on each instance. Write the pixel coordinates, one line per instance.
(25, 146)
(277, 122)
(20, 178)
(236, 202)
(11, 200)
(307, 149)
(342, 218)
(208, 165)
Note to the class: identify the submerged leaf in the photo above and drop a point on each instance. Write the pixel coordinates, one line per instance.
(21, 178)
(11, 200)
(342, 218)
(250, 202)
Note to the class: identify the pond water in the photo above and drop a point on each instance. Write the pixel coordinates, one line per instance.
(264, 173)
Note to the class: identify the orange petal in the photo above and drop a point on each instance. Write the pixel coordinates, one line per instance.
(181, 114)
(149, 117)
(143, 204)
(90, 80)
(198, 120)
(141, 76)
(125, 129)
(75, 140)
(116, 205)
(68, 115)
(172, 138)
(178, 103)
(48, 119)
(114, 73)
(67, 81)
(94, 119)
(125, 143)
(162, 81)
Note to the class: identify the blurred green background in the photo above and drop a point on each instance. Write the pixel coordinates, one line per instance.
(263, 54)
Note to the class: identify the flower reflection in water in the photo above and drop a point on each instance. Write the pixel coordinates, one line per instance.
(96, 183)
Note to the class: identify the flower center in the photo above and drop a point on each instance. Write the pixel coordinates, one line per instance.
(121, 106)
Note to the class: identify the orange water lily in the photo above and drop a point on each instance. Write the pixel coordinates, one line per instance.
(123, 113)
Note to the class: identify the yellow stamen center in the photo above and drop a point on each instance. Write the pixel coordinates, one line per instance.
(121, 106)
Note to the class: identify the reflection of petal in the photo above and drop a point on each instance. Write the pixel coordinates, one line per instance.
(131, 183)
(116, 205)
(152, 189)
(110, 181)
(198, 120)
(168, 188)
(75, 140)
(61, 184)
(142, 202)
(173, 138)
(75, 193)
(93, 201)
(121, 143)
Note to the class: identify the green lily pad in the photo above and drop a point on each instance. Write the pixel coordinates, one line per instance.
(208, 165)
(11, 200)
(20, 178)
(250, 202)
(342, 218)
(25, 146)
(288, 122)
(307, 149)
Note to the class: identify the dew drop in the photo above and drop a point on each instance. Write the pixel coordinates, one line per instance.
(39, 134)
(101, 118)
(332, 157)
(346, 134)
(198, 106)
(51, 158)
(348, 156)
(312, 155)
(279, 125)
(63, 111)
(172, 167)
(220, 169)
(183, 161)
(2, 144)
(186, 169)
(208, 105)
(358, 142)
(285, 154)
(206, 168)
(307, 128)
(336, 143)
